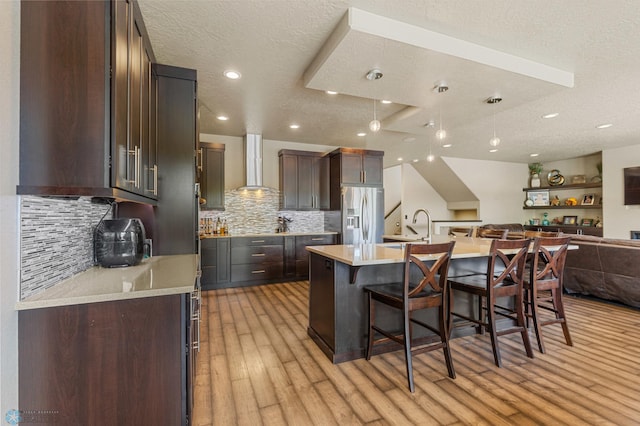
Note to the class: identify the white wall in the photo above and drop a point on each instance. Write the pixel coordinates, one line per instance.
(498, 186)
(234, 158)
(9, 139)
(417, 193)
(618, 218)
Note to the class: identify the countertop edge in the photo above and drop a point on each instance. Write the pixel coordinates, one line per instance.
(24, 305)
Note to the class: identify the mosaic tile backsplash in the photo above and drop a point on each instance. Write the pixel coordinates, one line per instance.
(56, 239)
(249, 212)
(56, 234)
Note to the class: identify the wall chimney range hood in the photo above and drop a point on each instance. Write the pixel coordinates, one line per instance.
(252, 162)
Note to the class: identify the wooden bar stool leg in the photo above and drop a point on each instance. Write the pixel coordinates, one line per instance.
(491, 321)
(371, 331)
(407, 349)
(537, 326)
(521, 323)
(444, 338)
(556, 294)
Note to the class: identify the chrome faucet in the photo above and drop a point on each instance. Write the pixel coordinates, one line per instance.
(415, 219)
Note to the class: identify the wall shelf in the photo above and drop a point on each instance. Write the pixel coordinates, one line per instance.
(564, 187)
(577, 207)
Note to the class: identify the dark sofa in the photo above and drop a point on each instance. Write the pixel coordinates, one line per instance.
(604, 267)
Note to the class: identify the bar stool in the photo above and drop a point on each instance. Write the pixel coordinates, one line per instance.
(503, 278)
(546, 273)
(422, 287)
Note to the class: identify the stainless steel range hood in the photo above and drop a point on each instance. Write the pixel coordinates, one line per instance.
(253, 162)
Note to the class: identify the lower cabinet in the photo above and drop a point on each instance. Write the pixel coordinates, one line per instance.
(214, 258)
(257, 258)
(302, 255)
(241, 261)
(567, 229)
(119, 362)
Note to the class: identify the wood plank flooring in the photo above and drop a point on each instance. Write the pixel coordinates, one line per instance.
(257, 366)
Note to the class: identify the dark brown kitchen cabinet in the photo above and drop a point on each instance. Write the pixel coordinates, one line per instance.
(302, 255)
(356, 167)
(127, 362)
(304, 180)
(211, 168)
(216, 267)
(86, 100)
(176, 214)
(256, 259)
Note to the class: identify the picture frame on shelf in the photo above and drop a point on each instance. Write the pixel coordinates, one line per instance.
(586, 222)
(570, 220)
(539, 198)
(588, 199)
(534, 222)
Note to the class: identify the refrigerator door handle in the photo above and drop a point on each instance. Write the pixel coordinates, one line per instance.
(364, 211)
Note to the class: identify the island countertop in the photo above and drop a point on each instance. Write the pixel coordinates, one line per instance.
(383, 253)
(156, 276)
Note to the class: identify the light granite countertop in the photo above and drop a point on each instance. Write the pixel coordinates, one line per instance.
(156, 276)
(377, 254)
(269, 234)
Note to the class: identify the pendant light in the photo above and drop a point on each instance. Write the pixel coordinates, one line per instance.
(374, 125)
(495, 140)
(441, 133)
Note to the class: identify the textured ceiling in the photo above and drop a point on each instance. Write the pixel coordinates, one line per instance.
(290, 51)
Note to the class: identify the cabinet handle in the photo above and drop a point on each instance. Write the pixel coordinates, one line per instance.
(261, 271)
(154, 190)
(136, 167)
(364, 176)
(257, 241)
(258, 255)
(200, 160)
(317, 239)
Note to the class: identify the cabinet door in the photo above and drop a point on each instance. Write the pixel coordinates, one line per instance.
(120, 94)
(372, 169)
(351, 168)
(289, 182)
(323, 183)
(223, 264)
(212, 177)
(134, 160)
(307, 182)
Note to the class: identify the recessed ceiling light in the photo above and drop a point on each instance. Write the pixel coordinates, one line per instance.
(604, 126)
(493, 150)
(294, 126)
(534, 155)
(399, 158)
(331, 92)
(233, 75)
(447, 145)
(415, 160)
(362, 134)
(551, 115)
(222, 117)
(384, 101)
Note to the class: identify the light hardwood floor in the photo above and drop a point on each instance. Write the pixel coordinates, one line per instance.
(258, 366)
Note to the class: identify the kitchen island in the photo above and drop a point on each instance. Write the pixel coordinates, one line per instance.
(112, 345)
(337, 304)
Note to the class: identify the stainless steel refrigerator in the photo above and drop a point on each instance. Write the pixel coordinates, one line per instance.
(360, 219)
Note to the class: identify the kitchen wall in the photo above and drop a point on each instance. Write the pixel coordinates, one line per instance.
(9, 249)
(258, 211)
(249, 212)
(56, 239)
(618, 219)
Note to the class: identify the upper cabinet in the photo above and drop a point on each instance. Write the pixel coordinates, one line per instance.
(211, 169)
(304, 180)
(356, 167)
(87, 101)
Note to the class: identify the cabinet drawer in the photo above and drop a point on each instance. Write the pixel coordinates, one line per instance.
(256, 241)
(256, 254)
(264, 271)
(311, 240)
